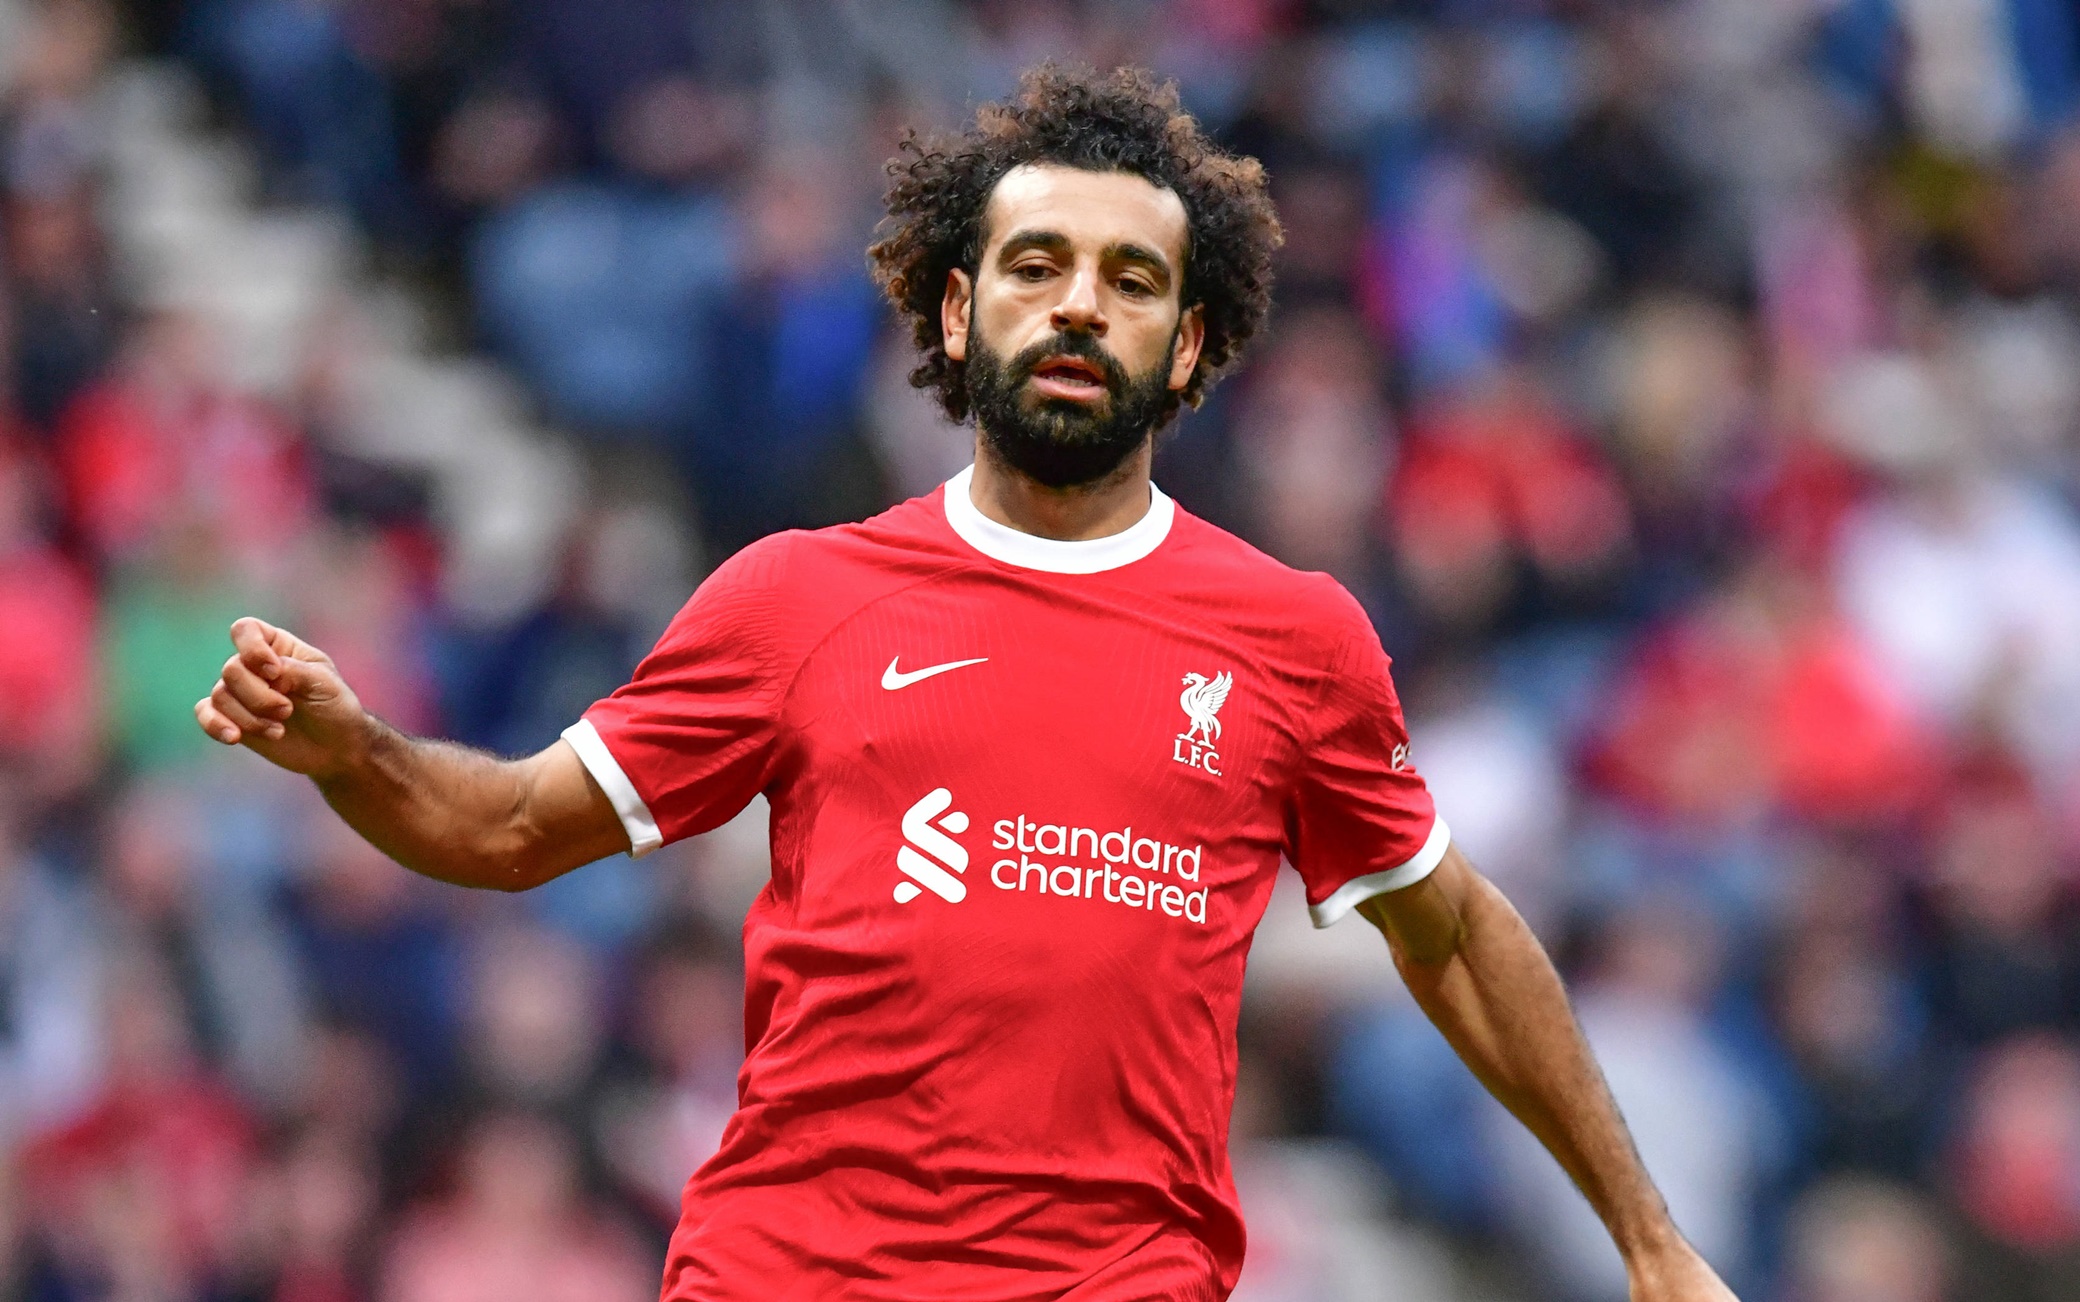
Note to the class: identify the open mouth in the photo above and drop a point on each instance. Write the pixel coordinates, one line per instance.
(1069, 377)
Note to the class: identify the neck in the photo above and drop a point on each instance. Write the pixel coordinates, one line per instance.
(1099, 509)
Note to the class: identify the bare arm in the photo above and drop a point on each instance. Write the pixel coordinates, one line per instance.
(444, 810)
(1483, 978)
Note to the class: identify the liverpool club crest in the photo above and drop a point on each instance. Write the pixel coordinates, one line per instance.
(1202, 701)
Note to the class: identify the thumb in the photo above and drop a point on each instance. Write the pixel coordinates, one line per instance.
(306, 679)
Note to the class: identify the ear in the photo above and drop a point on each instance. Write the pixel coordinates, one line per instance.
(953, 313)
(1191, 337)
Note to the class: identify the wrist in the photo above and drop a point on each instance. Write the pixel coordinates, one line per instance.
(1652, 1241)
(355, 753)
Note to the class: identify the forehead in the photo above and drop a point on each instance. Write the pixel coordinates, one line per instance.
(1089, 209)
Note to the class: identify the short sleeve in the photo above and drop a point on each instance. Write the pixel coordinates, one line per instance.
(1361, 823)
(687, 743)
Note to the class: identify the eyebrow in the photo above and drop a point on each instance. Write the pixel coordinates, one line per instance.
(1118, 251)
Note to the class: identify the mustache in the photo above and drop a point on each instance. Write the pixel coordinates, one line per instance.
(1080, 345)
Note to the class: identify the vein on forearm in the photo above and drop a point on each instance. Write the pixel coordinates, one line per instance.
(439, 808)
(1498, 1000)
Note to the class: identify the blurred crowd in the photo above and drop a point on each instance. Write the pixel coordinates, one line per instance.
(1689, 388)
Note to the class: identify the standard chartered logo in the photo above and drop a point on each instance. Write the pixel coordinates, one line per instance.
(922, 837)
(1116, 866)
(1119, 867)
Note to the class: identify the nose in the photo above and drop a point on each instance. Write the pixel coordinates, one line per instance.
(1078, 308)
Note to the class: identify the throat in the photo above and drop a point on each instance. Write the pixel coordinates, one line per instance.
(1108, 506)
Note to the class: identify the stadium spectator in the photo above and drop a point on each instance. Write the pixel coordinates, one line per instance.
(516, 1227)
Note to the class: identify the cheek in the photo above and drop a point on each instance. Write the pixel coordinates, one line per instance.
(1008, 319)
(1147, 350)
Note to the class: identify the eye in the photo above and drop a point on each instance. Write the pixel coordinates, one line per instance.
(1032, 271)
(1134, 288)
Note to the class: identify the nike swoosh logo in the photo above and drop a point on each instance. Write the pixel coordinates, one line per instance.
(895, 679)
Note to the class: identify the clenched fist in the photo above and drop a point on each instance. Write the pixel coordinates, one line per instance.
(449, 812)
(284, 699)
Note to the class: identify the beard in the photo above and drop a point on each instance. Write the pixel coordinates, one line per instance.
(1059, 442)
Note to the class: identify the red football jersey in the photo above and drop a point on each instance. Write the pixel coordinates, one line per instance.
(1028, 801)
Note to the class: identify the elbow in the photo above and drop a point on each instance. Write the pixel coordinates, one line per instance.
(481, 871)
(508, 862)
(518, 856)
(521, 868)
(513, 882)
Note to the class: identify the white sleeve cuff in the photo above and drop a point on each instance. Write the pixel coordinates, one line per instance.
(1359, 889)
(643, 836)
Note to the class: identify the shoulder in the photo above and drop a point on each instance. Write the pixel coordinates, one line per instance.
(783, 593)
(761, 565)
(911, 531)
(1305, 604)
(804, 562)
(1209, 548)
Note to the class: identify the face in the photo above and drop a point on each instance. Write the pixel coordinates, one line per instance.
(1071, 326)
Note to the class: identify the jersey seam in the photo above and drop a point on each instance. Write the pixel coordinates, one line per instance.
(768, 638)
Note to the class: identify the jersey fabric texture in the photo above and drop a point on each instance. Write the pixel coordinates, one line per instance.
(992, 986)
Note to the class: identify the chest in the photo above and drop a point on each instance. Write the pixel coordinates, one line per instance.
(1033, 777)
(1087, 699)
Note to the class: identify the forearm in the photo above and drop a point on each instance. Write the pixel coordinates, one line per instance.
(441, 809)
(1485, 981)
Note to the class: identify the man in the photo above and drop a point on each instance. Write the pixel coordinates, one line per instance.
(1035, 746)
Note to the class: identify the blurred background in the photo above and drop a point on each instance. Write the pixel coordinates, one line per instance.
(1690, 389)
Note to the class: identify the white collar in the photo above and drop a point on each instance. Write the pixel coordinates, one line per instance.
(1028, 551)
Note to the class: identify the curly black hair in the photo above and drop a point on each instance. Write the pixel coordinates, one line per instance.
(1125, 121)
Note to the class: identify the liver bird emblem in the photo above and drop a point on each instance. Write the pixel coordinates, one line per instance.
(1202, 700)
